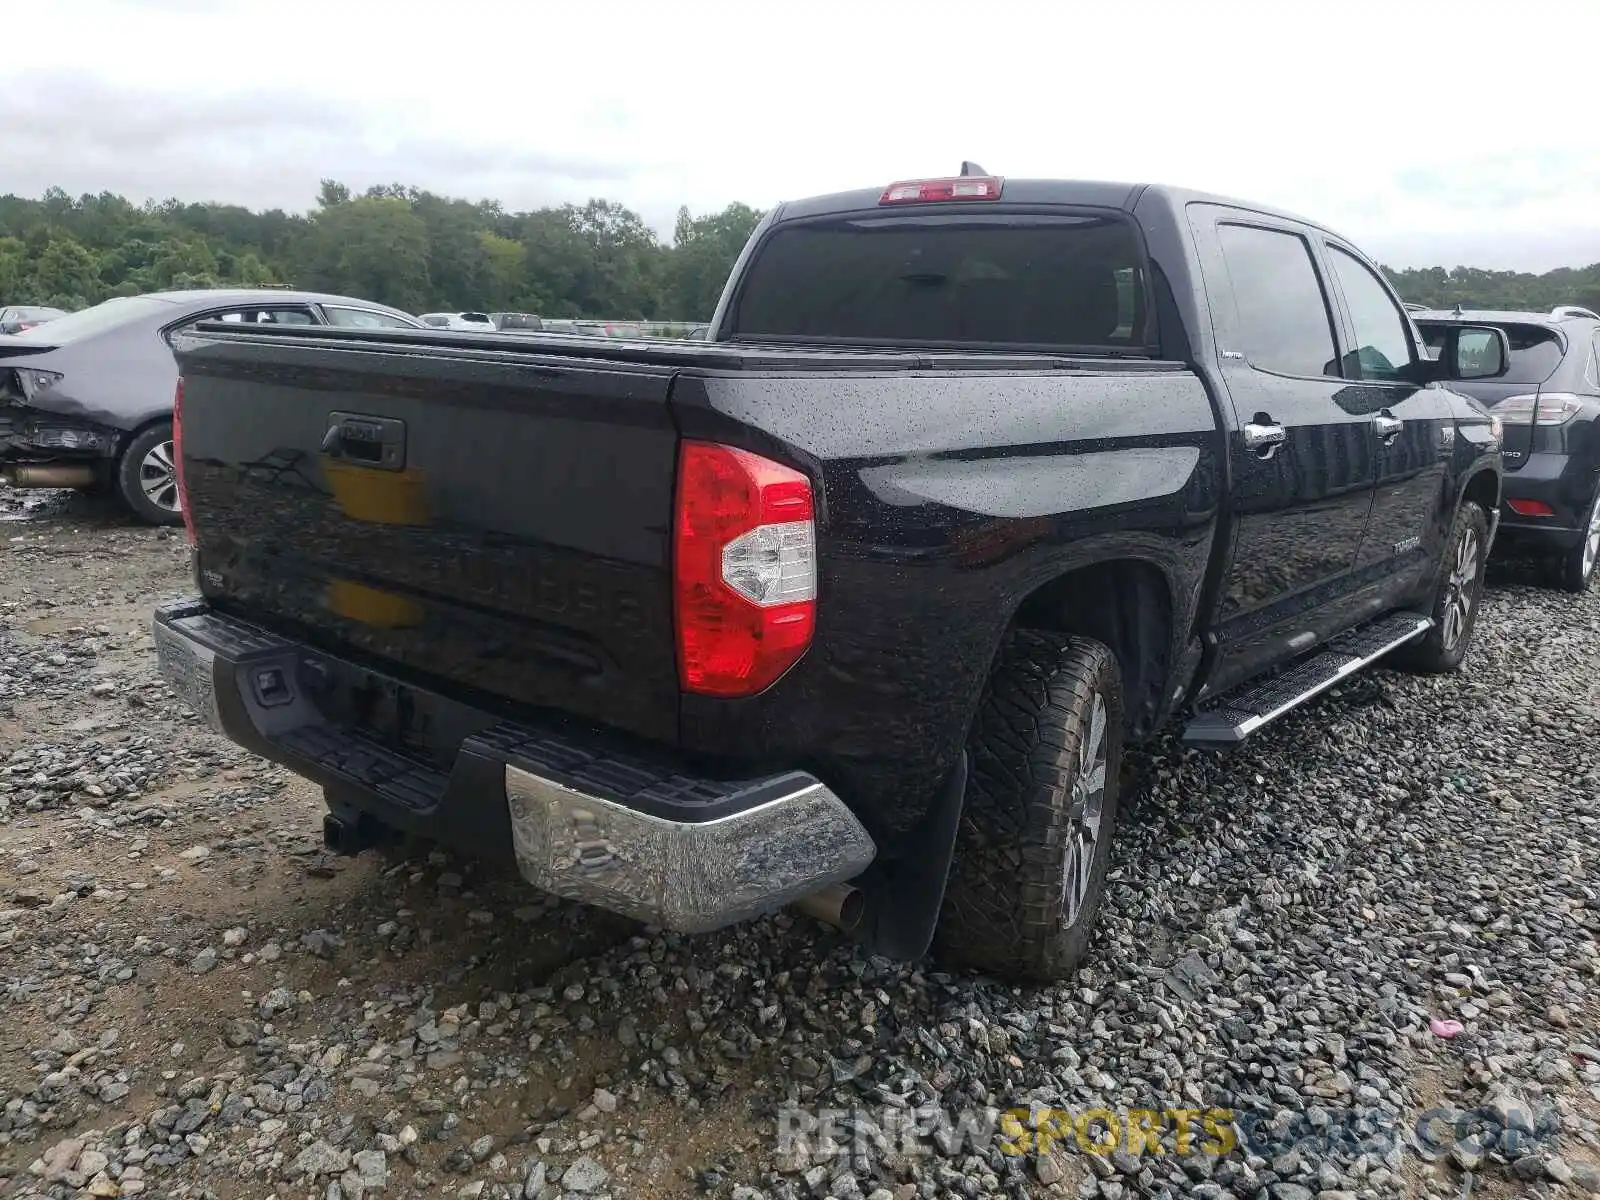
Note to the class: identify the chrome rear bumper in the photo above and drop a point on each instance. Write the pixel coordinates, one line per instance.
(588, 820)
(681, 875)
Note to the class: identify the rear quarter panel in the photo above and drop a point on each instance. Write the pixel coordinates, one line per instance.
(945, 500)
(124, 378)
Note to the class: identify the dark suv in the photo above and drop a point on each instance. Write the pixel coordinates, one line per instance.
(1549, 404)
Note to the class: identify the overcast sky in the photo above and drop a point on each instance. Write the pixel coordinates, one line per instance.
(1361, 115)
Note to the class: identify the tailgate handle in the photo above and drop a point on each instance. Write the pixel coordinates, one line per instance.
(360, 440)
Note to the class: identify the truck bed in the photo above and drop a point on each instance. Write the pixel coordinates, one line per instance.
(490, 518)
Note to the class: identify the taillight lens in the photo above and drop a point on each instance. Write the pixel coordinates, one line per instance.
(744, 569)
(177, 460)
(1555, 408)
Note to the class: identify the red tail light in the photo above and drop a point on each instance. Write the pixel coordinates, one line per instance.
(744, 569)
(930, 191)
(177, 459)
(1543, 408)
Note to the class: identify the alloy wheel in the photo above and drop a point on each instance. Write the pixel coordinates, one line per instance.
(1085, 817)
(1459, 589)
(158, 477)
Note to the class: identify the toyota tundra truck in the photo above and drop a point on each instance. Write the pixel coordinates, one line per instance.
(854, 605)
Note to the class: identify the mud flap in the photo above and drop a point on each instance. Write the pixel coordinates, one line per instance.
(905, 895)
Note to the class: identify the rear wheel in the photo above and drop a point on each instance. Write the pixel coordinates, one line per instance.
(147, 477)
(1456, 599)
(1041, 806)
(1575, 568)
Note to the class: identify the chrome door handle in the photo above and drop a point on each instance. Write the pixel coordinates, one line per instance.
(1264, 437)
(1387, 427)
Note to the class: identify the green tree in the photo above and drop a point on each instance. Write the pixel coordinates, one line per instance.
(184, 264)
(66, 274)
(375, 248)
(621, 274)
(13, 270)
(703, 251)
(505, 270)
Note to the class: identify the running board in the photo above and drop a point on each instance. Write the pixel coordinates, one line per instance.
(1240, 714)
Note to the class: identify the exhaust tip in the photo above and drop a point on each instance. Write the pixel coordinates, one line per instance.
(839, 905)
(49, 475)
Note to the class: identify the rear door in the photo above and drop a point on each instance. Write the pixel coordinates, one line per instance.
(1411, 427)
(1301, 461)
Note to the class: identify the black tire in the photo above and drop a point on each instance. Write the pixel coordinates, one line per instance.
(137, 486)
(1575, 569)
(1460, 582)
(1005, 907)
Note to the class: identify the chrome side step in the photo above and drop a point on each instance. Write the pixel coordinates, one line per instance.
(1238, 715)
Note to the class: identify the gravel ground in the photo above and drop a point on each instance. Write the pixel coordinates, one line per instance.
(198, 1002)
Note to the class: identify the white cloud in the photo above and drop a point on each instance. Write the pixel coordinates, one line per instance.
(1358, 114)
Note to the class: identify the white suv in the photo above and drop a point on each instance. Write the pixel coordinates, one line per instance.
(476, 321)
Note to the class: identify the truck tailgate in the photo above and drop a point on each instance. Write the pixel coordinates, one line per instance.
(498, 522)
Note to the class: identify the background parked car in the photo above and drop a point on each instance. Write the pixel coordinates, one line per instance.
(17, 317)
(467, 321)
(516, 322)
(1549, 403)
(86, 399)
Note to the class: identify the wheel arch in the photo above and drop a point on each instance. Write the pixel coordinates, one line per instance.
(1482, 486)
(132, 433)
(1128, 604)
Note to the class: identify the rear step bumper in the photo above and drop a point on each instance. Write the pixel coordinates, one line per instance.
(582, 816)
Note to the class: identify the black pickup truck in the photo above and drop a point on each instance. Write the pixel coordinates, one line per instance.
(855, 604)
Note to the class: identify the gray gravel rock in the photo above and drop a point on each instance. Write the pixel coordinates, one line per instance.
(319, 1158)
(1279, 929)
(584, 1176)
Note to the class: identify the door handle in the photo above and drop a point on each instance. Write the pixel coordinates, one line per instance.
(1387, 427)
(1264, 439)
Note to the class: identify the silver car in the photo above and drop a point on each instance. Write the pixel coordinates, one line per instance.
(18, 317)
(86, 399)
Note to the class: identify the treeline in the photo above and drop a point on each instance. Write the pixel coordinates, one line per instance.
(1472, 287)
(421, 252)
(398, 245)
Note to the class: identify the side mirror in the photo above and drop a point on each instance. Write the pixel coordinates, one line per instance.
(1476, 352)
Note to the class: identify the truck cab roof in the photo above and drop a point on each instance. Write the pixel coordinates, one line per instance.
(1080, 193)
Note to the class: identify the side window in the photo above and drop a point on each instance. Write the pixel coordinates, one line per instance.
(269, 316)
(363, 318)
(1383, 339)
(255, 316)
(1284, 324)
